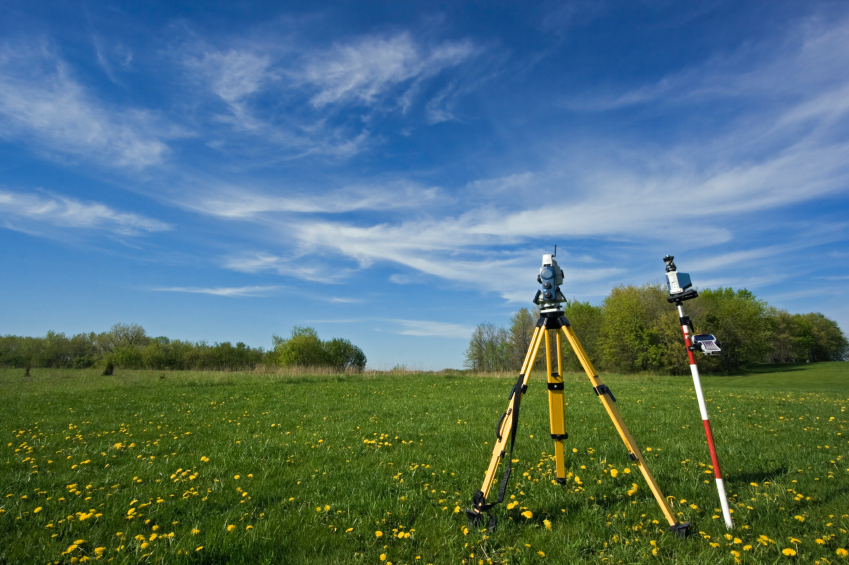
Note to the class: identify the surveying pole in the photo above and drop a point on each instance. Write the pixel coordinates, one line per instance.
(679, 286)
(552, 321)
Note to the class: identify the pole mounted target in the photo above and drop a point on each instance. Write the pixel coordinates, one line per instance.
(679, 286)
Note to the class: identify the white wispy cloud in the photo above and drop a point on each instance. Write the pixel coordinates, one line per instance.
(223, 291)
(27, 211)
(43, 104)
(364, 69)
(311, 88)
(245, 202)
(438, 329)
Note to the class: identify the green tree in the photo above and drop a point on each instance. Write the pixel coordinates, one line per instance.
(638, 333)
(489, 349)
(344, 355)
(305, 349)
(586, 320)
(522, 325)
(740, 323)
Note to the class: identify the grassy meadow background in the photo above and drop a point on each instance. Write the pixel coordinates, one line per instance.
(211, 467)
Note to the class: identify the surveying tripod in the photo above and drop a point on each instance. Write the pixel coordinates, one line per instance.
(552, 320)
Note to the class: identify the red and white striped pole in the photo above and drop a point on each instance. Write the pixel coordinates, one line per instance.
(720, 486)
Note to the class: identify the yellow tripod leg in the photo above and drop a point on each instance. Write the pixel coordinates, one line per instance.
(505, 427)
(555, 408)
(607, 400)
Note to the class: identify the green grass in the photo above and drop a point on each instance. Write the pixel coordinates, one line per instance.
(324, 462)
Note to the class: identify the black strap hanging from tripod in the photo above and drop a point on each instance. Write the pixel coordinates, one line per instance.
(478, 499)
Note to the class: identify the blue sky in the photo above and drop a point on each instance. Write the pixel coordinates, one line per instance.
(392, 172)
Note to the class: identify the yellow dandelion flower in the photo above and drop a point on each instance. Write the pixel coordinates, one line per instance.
(528, 514)
(465, 531)
(747, 547)
(144, 545)
(378, 533)
(613, 473)
(800, 518)
(249, 528)
(326, 507)
(841, 552)
(231, 527)
(199, 548)
(195, 531)
(547, 524)
(456, 509)
(236, 477)
(541, 554)
(99, 551)
(788, 552)
(735, 553)
(626, 470)
(155, 528)
(37, 510)
(349, 530)
(383, 557)
(153, 537)
(654, 551)
(819, 541)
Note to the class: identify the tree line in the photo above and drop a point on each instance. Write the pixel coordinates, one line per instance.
(636, 330)
(128, 346)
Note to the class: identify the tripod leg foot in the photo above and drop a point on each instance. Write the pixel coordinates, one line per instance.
(560, 481)
(475, 517)
(680, 529)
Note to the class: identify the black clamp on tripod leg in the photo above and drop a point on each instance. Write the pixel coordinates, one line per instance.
(680, 529)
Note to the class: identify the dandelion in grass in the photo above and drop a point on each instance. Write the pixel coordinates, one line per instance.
(349, 530)
(195, 531)
(198, 548)
(547, 524)
(841, 552)
(99, 551)
(540, 553)
(231, 528)
(788, 552)
(249, 528)
(747, 547)
(378, 533)
(613, 473)
(326, 507)
(800, 518)
(383, 557)
(528, 514)
(37, 510)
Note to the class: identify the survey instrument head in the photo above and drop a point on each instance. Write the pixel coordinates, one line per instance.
(678, 284)
(550, 277)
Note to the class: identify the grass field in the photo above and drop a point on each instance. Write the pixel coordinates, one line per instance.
(248, 468)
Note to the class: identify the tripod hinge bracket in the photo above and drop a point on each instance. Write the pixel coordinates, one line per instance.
(632, 456)
(559, 437)
(604, 389)
(555, 386)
